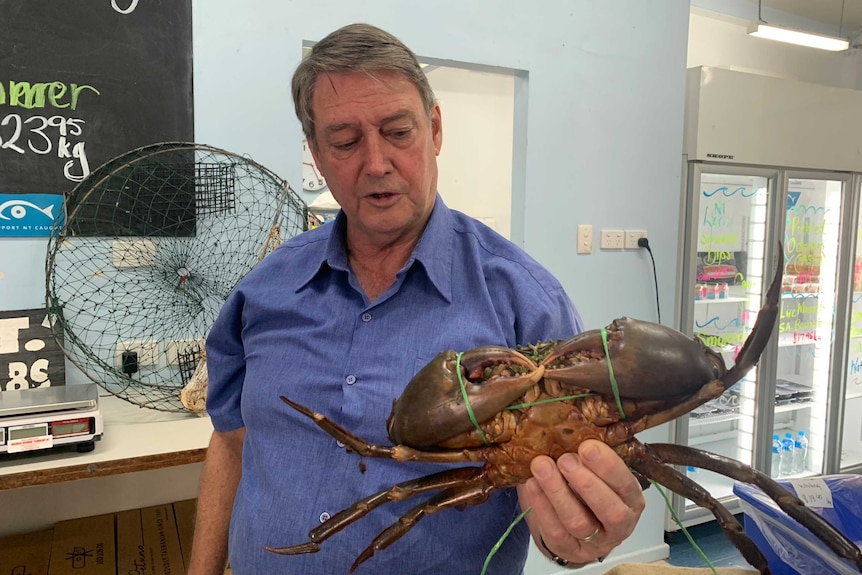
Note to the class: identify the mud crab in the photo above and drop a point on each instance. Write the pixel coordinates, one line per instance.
(501, 407)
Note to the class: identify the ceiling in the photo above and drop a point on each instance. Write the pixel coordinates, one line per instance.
(839, 17)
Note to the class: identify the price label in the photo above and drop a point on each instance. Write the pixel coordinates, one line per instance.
(813, 492)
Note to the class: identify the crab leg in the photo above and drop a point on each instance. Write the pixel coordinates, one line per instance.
(396, 452)
(786, 501)
(756, 341)
(472, 493)
(675, 481)
(449, 479)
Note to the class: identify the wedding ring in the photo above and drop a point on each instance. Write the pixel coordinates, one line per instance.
(590, 537)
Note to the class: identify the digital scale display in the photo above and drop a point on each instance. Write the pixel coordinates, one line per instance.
(28, 431)
(72, 427)
(43, 418)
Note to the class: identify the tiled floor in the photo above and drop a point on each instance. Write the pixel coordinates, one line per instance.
(709, 537)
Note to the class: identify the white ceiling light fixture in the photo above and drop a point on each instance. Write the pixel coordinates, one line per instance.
(792, 36)
(761, 29)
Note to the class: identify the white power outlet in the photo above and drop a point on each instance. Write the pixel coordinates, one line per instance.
(585, 239)
(632, 237)
(612, 240)
(147, 350)
(133, 253)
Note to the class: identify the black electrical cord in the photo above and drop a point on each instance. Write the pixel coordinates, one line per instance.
(644, 243)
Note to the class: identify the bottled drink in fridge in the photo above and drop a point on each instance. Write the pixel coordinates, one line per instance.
(775, 470)
(800, 451)
(691, 472)
(786, 464)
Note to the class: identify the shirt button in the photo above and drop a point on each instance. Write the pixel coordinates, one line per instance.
(339, 443)
(324, 517)
(366, 317)
(351, 379)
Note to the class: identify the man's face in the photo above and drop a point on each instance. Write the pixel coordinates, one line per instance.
(377, 150)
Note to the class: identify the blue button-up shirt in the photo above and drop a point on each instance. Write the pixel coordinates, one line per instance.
(299, 325)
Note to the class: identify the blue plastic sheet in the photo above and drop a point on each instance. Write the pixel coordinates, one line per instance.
(789, 547)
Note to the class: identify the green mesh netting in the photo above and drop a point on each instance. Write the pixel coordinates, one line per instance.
(151, 245)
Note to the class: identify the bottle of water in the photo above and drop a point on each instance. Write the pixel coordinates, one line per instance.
(800, 451)
(775, 469)
(786, 464)
(691, 472)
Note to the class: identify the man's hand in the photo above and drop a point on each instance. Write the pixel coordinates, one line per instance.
(583, 505)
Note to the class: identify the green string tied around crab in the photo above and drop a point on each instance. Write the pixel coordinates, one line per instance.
(613, 379)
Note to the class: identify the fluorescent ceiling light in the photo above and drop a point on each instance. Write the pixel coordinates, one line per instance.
(797, 37)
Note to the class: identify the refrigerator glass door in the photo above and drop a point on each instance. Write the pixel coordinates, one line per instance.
(851, 440)
(805, 325)
(730, 230)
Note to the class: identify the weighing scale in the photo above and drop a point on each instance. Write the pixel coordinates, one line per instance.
(42, 418)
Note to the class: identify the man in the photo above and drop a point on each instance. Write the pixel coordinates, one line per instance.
(340, 318)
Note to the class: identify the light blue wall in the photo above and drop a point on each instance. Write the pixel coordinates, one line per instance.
(604, 114)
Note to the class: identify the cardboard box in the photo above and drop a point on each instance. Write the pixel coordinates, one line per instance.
(184, 511)
(131, 554)
(27, 554)
(151, 541)
(84, 546)
(161, 540)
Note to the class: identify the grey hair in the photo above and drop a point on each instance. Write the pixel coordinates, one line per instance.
(355, 48)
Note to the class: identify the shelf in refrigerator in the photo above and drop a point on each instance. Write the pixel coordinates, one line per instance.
(710, 438)
(722, 300)
(719, 486)
(714, 418)
(797, 343)
(793, 406)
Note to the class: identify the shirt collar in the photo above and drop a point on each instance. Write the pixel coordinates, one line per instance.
(435, 249)
(433, 252)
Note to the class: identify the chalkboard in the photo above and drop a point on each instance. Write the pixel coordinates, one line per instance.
(84, 81)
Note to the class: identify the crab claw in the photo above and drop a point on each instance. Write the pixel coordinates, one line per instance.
(649, 361)
(432, 407)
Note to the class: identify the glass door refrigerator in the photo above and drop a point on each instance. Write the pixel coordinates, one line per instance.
(778, 418)
(849, 458)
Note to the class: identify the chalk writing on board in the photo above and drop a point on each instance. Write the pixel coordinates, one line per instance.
(46, 135)
(82, 83)
(127, 10)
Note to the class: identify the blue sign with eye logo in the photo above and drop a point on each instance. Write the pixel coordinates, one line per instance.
(29, 215)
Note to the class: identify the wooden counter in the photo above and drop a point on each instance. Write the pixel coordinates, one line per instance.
(134, 439)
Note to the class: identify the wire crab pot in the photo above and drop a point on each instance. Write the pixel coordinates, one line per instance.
(148, 249)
